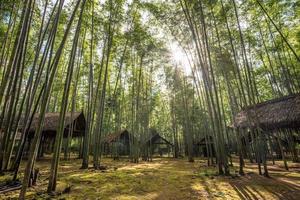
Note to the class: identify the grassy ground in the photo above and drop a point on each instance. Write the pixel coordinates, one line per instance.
(164, 179)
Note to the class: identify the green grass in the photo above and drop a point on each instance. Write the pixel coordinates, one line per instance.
(161, 179)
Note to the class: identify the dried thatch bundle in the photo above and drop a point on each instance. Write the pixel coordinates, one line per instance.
(280, 113)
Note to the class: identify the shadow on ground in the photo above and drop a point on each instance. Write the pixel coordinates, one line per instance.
(164, 179)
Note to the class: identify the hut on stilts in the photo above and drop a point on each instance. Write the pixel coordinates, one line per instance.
(270, 127)
(75, 124)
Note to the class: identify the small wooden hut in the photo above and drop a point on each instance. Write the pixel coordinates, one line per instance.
(75, 124)
(205, 147)
(278, 119)
(158, 144)
(118, 143)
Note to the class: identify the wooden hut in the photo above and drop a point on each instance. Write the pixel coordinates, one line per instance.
(278, 119)
(75, 124)
(205, 147)
(118, 143)
(158, 144)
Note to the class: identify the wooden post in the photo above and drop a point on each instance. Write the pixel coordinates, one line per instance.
(282, 153)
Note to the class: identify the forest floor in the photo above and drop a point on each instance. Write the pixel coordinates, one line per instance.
(163, 179)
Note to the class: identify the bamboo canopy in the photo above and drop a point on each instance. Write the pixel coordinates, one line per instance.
(279, 113)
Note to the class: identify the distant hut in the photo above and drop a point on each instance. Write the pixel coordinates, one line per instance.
(118, 143)
(158, 145)
(205, 147)
(278, 119)
(75, 124)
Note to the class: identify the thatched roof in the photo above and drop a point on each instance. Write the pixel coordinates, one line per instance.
(155, 137)
(51, 123)
(203, 141)
(113, 137)
(280, 113)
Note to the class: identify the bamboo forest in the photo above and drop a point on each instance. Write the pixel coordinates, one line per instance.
(150, 99)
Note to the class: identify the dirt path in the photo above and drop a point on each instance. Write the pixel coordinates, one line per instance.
(163, 179)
